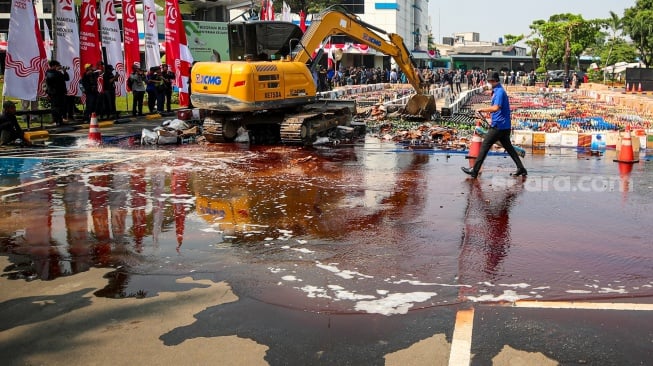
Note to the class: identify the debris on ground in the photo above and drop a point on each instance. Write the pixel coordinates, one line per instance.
(173, 131)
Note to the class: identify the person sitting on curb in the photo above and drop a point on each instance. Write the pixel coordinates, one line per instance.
(10, 130)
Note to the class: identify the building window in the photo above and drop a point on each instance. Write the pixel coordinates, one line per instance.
(354, 6)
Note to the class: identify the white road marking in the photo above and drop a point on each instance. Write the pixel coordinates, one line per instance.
(461, 342)
(582, 305)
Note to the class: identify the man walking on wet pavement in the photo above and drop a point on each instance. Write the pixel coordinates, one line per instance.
(9, 128)
(500, 129)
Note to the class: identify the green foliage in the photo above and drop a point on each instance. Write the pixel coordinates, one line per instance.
(510, 39)
(638, 25)
(617, 51)
(563, 38)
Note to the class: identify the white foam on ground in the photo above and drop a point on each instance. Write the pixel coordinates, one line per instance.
(398, 303)
(290, 278)
(346, 274)
(508, 295)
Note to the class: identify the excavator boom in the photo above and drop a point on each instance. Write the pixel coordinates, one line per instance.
(336, 22)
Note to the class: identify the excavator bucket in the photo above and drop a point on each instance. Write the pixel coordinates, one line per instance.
(420, 105)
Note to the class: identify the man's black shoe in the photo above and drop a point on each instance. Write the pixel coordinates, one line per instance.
(469, 171)
(521, 172)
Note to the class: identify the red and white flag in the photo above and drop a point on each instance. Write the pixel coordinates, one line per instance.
(89, 46)
(285, 12)
(264, 10)
(25, 61)
(130, 35)
(47, 41)
(302, 20)
(178, 54)
(152, 51)
(270, 11)
(112, 42)
(66, 37)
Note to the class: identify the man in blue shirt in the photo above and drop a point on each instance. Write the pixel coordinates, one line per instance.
(499, 130)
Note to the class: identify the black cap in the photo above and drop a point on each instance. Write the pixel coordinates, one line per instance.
(54, 63)
(8, 103)
(494, 76)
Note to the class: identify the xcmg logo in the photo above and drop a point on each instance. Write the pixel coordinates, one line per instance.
(375, 41)
(208, 79)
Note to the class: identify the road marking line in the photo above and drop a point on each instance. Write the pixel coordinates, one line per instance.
(582, 305)
(461, 342)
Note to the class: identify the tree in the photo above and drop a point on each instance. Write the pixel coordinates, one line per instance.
(618, 51)
(638, 25)
(614, 24)
(511, 39)
(538, 47)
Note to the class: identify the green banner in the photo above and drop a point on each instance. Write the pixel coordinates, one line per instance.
(207, 41)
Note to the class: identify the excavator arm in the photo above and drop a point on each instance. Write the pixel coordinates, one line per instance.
(336, 22)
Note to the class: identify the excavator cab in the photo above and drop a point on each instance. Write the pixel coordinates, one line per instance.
(262, 40)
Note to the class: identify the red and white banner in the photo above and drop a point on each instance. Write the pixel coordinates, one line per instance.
(270, 11)
(66, 36)
(152, 52)
(112, 43)
(47, 41)
(178, 54)
(285, 12)
(89, 46)
(263, 13)
(25, 62)
(130, 35)
(302, 20)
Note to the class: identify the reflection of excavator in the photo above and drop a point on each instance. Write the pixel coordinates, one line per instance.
(268, 88)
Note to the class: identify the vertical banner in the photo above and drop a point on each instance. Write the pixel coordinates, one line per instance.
(47, 41)
(264, 10)
(178, 54)
(152, 53)
(130, 34)
(285, 12)
(112, 43)
(270, 11)
(66, 37)
(302, 20)
(89, 46)
(25, 62)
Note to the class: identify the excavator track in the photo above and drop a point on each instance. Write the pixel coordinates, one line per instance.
(212, 130)
(304, 128)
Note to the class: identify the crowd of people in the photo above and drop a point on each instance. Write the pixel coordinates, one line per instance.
(98, 87)
(327, 79)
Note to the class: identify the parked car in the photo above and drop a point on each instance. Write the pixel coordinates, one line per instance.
(556, 75)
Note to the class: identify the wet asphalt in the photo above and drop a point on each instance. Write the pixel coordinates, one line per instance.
(550, 302)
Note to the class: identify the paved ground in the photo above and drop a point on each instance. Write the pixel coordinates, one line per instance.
(197, 317)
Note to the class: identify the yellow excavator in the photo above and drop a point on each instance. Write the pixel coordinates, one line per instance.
(267, 88)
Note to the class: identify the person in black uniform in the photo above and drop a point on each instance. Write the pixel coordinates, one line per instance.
(109, 86)
(168, 80)
(55, 81)
(89, 84)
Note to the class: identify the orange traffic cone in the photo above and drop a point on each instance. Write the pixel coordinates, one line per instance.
(639, 88)
(633, 89)
(627, 88)
(626, 153)
(94, 136)
(476, 145)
